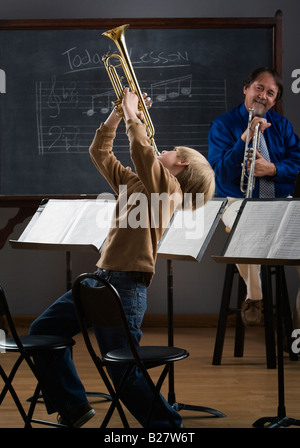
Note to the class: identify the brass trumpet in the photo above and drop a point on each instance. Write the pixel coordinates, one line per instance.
(117, 36)
(247, 183)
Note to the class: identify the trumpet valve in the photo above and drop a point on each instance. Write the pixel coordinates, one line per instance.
(249, 154)
(117, 107)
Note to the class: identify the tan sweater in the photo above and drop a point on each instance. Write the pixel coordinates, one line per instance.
(127, 248)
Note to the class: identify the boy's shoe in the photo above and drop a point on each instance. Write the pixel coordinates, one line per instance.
(77, 418)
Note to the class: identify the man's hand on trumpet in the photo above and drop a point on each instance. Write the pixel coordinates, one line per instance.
(263, 167)
(263, 124)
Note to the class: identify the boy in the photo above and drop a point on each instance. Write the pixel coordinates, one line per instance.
(127, 259)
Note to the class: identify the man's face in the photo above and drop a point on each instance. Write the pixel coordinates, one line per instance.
(261, 94)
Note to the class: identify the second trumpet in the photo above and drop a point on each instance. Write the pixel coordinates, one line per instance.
(247, 183)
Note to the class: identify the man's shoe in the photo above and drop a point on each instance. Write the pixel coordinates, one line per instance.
(251, 312)
(78, 418)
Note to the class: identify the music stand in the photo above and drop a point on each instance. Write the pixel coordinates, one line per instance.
(281, 419)
(296, 193)
(276, 247)
(168, 249)
(65, 220)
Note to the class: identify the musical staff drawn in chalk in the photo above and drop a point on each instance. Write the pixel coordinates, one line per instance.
(96, 102)
(171, 88)
(68, 112)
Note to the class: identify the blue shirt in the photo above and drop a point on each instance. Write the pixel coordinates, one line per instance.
(226, 152)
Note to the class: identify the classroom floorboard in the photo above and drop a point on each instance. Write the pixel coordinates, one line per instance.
(242, 388)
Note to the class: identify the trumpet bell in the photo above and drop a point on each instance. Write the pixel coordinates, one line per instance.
(116, 33)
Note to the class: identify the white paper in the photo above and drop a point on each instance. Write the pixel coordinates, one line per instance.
(189, 230)
(92, 224)
(267, 229)
(87, 222)
(70, 222)
(286, 243)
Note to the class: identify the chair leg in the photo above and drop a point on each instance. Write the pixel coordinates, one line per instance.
(32, 406)
(115, 403)
(156, 394)
(30, 419)
(225, 302)
(158, 386)
(8, 387)
(115, 395)
(155, 389)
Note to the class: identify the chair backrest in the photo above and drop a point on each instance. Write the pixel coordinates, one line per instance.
(99, 304)
(5, 313)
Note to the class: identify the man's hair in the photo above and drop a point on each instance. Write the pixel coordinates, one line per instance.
(197, 177)
(256, 73)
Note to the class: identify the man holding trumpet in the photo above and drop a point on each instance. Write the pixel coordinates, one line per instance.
(277, 163)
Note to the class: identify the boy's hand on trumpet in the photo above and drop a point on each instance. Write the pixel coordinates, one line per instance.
(130, 104)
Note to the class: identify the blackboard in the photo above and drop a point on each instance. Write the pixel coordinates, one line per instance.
(58, 91)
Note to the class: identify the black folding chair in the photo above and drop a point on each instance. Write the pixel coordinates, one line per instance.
(101, 306)
(27, 346)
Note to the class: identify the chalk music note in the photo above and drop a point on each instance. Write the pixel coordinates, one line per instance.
(171, 88)
(97, 101)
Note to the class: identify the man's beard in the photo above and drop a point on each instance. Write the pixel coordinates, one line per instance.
(259, 107)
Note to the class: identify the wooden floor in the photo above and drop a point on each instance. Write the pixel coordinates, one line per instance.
(242, 388)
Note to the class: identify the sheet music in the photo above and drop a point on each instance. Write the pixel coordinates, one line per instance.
(92, 224)
(87, 222)
(189, 230)
(53, 222)
(71, 222)
(286, 243)
(267, 229)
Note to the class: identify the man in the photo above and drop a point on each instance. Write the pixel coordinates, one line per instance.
(276, 167)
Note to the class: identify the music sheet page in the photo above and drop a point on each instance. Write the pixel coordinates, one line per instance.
(267, 229)
(51, 222)
(70, 222)
(286, 243)
(91, 224)
(189, 230)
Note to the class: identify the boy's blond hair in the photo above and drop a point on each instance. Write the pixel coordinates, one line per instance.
(198, 176)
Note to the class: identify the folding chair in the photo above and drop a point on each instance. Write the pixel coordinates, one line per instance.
(101, 306)
(27, 346)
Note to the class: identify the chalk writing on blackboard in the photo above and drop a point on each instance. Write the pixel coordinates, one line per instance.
(62, 103)
(77, 60)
